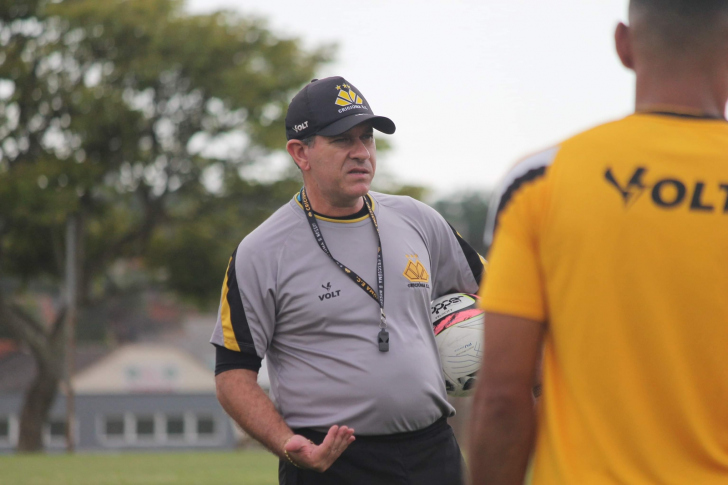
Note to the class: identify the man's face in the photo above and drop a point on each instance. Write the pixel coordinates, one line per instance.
(342, 166)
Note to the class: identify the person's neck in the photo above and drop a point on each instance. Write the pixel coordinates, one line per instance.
(687, 90)
(336, 208)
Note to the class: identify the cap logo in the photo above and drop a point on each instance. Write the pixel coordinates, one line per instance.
(347, 96)
(300, 127)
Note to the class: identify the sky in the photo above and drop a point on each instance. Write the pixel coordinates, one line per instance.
(472, 86)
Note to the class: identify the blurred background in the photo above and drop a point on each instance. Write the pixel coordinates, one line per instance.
(141, 140)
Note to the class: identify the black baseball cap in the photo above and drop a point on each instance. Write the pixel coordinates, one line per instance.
(330, 107)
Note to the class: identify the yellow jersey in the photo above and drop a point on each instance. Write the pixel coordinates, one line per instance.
(618, 240)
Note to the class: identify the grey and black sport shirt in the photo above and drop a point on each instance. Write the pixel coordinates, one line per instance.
(285, 299)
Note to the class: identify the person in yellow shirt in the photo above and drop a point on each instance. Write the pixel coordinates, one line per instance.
(610, 255)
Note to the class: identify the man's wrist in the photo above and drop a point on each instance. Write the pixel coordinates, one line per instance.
(285, 452)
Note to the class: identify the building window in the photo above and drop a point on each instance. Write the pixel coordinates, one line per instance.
(57, 429)
(145, 427)
(9, 430)
(114, 427)
(133, 373)
(4, 429)
(170, 373)
(205, 426)
(175, 427)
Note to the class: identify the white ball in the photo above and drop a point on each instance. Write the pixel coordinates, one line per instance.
(458, 325)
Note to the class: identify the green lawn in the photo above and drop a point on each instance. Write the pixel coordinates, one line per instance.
(254, 467)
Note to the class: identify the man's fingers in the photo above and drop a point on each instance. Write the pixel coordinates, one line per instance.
(329, 442)
(342, 439)
(335, 442)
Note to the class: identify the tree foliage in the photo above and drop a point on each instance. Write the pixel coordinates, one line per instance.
(124, 112)
(466, 211)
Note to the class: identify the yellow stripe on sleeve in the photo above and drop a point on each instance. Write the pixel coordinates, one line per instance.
(228, 333)
(485, 263)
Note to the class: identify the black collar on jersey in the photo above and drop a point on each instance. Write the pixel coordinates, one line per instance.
(363, 212)
(383, 337)
(678, 114)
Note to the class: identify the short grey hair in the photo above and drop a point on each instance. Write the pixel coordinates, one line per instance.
(309, 140)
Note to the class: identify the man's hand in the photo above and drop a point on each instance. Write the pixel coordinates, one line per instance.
(319, 458)
(245, 401)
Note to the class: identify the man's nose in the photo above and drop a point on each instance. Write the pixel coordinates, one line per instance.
(359, 151)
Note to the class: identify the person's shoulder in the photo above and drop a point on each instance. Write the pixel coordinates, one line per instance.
(403, 204)
(533, 169)
(525, 172)
(532, 165)
(272, 234)
(536, 164)
(604, 132)
(392, 201)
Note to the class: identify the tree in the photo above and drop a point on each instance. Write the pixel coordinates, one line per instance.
(466, 211)
(193, 253)
(121, 112)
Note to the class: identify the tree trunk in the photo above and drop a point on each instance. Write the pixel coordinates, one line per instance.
(50, 360)
(37, 404)
(47, 348)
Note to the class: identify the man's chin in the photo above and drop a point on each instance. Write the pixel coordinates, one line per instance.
(359, 189)
(361, 192)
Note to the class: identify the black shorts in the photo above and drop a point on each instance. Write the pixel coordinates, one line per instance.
(430, 456)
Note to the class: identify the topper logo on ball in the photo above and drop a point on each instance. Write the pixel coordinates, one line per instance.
(442, 306)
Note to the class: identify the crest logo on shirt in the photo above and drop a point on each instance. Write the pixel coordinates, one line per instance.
(415, 271)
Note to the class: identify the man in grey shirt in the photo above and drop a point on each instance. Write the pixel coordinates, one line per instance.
(308, 289)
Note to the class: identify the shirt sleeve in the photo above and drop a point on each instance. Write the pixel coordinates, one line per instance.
(246, 317)
(226, 360)
(476, 262)
(515, 284)
(455, 265)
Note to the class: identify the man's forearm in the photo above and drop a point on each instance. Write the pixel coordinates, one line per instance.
(503, 414)
(244, 400)
(501, 438)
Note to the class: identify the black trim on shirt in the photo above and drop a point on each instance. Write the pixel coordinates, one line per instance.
(683, 115)
(471, 255)
(226, 359)
(530, 176)
(237, 312)
(362, 213)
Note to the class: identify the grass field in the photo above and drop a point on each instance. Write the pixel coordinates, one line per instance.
(254, 467)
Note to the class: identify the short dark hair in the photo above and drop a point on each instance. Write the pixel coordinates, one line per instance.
(684, 8)
(682, 24)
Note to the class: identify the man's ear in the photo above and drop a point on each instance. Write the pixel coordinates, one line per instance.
(623, 43)
(299, 153)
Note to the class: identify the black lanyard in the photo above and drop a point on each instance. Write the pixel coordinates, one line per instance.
(383, 337)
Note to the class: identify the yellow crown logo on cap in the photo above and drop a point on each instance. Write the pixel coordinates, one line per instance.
(347, 96)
